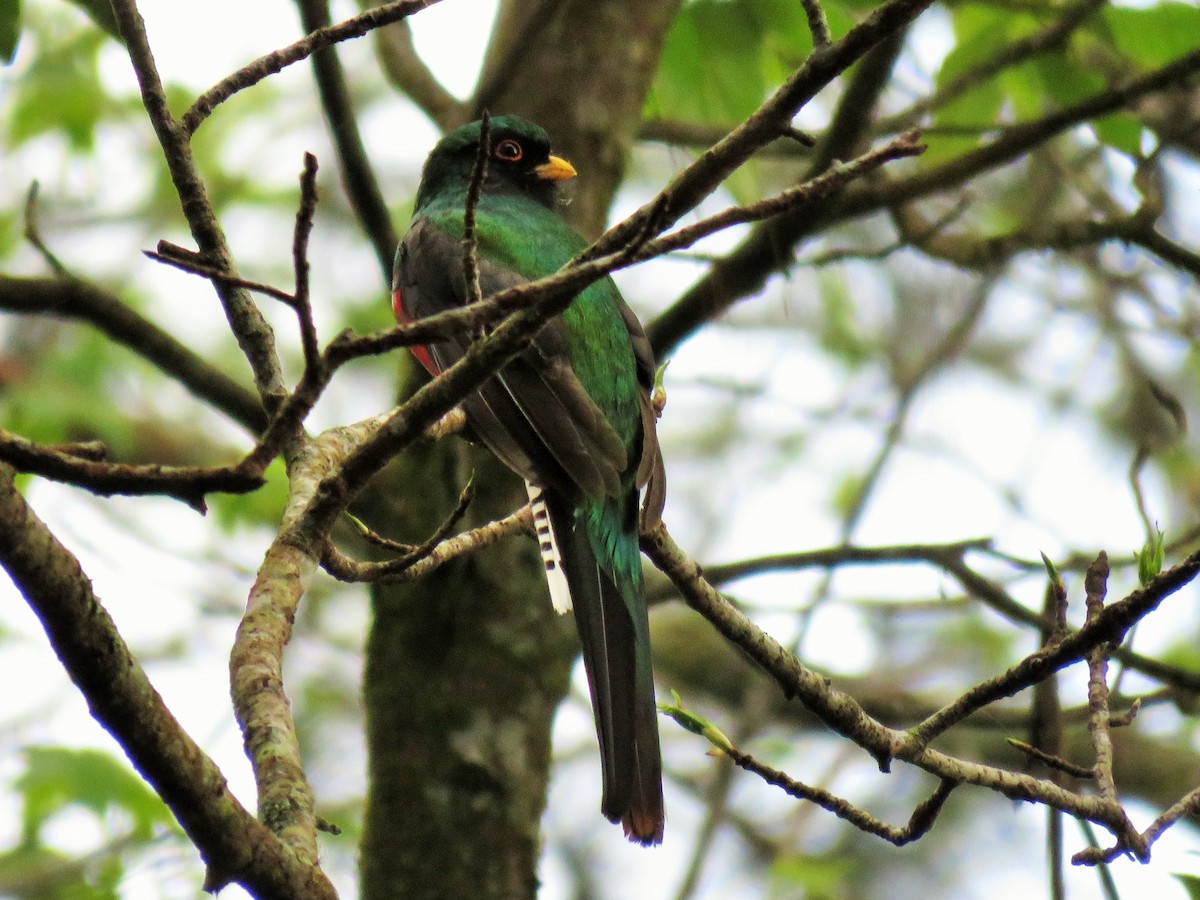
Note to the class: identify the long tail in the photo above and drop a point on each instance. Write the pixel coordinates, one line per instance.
(610, 613)
(560, 590)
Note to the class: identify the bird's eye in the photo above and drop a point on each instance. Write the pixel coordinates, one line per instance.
(508, 151)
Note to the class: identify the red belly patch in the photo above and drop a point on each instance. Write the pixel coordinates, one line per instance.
(420, 351)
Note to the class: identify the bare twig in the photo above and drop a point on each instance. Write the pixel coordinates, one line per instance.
(254, 72)
(71, 298)
(470, 245)
(193, 263)
(411, 553)
(1046, 724)
(358, 176)
(1053, 761)
(189, 484)
(343, 568)
(1096, 586)
(33, 233)
(817, 23)
(917, 826)
(301, 301)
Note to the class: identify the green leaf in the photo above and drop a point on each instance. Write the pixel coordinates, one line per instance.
(722, 58)
(1150, 558)
(846, 493)
(58, 777)
(711, 69)
(1066, 80)
(694, 723)
(818, 876)
(265, 505)
(965, 120)
(980, 32)
(100, 12)
(61, 91)
(1052, 573)
(10, 29)
(1121, 131)
(1191, 884)
(1155, 35)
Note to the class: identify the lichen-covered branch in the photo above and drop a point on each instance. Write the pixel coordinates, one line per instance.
(234, 845)
(840, 712)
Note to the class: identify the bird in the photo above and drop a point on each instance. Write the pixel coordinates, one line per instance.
(572, 415)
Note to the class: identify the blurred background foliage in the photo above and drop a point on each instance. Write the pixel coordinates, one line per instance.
(973, 362)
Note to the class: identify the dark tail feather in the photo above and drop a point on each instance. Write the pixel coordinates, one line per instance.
(616, 655)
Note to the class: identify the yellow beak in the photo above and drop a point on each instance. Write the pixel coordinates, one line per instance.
(556, 169)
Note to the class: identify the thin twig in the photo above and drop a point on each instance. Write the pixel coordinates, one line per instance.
(193, 263)
(817, 23)
(254, 72)
(1096, 586)
(917, 826)
(470, 245)
(304, 223)
(189, 484)
(33, 233)
(343, 568)
(1054, 762)
(413, 553)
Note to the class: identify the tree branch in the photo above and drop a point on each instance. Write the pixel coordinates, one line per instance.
(189, 484)
(71, 298)
(840, 712)
(254, 72)
(406, 71)
(917, 826)
(770, 247)
(251, 331)
(703, 176)
(358, 177)
(235, 847)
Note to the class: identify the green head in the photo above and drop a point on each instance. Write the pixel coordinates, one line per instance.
(519, 163)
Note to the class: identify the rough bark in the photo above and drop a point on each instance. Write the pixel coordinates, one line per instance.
(464, 671)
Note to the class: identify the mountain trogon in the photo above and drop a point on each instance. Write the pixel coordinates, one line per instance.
(571, 415)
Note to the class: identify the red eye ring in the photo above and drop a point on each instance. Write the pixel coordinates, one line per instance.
(508, 150)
